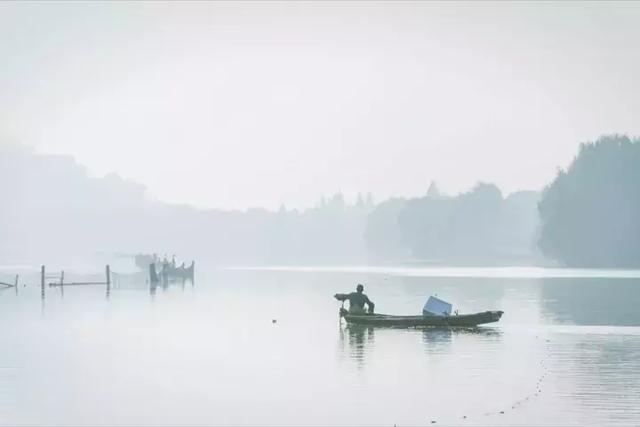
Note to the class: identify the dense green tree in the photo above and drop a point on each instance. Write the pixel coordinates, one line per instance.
(383, 238)
(470, 227)
(590, 213)
(479, 226)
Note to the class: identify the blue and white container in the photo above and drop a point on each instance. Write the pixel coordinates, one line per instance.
(436, 307)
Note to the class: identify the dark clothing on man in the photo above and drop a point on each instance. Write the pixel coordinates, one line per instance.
(357, 300)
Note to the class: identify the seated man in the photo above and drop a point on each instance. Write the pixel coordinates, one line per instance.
(357, 300)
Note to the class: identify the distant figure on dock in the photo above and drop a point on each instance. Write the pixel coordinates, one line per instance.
(357, 300)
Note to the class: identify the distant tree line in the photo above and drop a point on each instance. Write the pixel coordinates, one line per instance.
(588, 216)
(479, 226)
(52, 209)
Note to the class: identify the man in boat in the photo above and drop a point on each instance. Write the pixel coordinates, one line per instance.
(357, 300)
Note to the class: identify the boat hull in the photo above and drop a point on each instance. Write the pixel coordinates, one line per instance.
(464, 320)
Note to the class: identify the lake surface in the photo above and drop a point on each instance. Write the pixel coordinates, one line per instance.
(567, 351)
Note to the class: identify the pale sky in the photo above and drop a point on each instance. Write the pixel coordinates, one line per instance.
(240, 104)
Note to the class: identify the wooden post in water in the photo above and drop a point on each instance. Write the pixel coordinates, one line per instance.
(108, 273)
(16, 284)
(62, 284)
(153, 274)
(42, 282)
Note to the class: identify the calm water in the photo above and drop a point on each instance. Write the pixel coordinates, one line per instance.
(567, 351)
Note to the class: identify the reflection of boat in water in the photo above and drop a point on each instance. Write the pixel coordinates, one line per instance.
(170, 272)
(462, 320)
(164, 271)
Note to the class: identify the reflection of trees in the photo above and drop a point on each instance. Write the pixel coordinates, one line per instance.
(594, 301)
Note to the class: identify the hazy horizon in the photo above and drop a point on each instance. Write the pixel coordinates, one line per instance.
(324, 198)
(217, 105)
(211, 207)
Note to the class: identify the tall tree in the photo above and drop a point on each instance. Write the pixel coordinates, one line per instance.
(590, 213)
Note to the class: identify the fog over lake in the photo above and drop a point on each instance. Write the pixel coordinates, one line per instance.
(319, 213)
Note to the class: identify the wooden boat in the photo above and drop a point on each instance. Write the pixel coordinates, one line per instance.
(462, 320)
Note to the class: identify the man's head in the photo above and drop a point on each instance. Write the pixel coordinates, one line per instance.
(359, 288)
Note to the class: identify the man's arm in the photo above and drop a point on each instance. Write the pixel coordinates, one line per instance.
(370, 304)
(341, 297)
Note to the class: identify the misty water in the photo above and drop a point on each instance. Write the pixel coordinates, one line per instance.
(265, 346)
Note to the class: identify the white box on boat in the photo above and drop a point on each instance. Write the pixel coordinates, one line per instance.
(436, 307)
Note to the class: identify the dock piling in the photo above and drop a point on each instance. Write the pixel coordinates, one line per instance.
(42, 282)
(108, 273)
